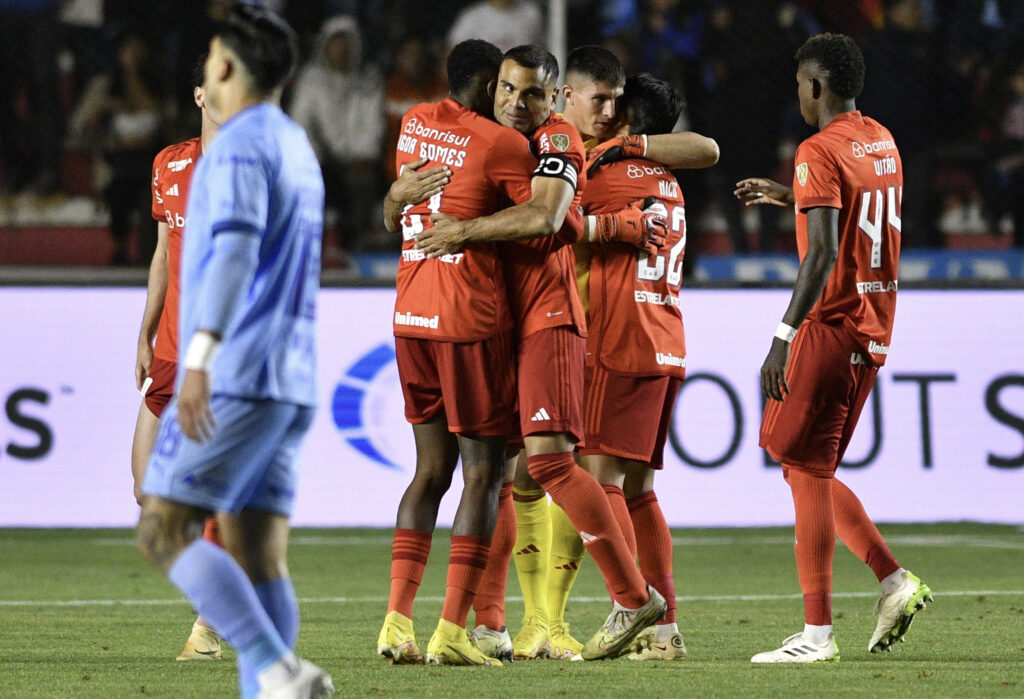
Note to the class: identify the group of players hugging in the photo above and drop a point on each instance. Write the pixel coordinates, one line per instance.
(539, 340)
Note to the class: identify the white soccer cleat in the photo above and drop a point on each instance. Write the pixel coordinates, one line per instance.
(800, 649)
(896, 612)
(307, 682)
(496, 644)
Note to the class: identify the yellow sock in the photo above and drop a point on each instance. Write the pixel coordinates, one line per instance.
(566, 556)
(533, 546)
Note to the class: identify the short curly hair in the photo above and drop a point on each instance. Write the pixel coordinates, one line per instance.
(840, 57)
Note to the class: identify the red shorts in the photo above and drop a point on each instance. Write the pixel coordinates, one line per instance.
(830, 379)
(160, 390)
(551, 381)
(628, 416)
(472, 383)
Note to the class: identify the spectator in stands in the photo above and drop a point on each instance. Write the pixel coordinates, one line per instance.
(1004, 177)
(339, 100)
(29, 137)
(504, 23)
(902, 47)
(747, 75)
(121, 112)
(415, 78)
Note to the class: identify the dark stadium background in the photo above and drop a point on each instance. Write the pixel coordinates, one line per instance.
(946, 77)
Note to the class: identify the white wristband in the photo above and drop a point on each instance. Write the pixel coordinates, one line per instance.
(643, 137)
(202, 350)
(784, 332)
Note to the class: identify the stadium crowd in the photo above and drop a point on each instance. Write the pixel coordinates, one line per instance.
(94, 88)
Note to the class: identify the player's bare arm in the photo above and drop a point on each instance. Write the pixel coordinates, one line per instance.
(822, 251)
(761, 190)
(682, 150)
(156, 290)
(412, 187)
(541, 215)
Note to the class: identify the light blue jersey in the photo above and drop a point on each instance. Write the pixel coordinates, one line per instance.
(259, 178)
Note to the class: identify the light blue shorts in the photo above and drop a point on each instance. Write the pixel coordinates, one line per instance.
(248, 462)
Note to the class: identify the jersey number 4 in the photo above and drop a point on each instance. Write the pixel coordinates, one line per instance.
(886, 210)
(651, 268)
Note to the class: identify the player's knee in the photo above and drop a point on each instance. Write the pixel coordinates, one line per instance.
(483, 476)
(163, 532)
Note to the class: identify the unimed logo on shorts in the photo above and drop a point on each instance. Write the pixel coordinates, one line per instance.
(353, 403)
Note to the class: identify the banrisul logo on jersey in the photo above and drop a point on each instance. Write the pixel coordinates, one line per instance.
(365, 404)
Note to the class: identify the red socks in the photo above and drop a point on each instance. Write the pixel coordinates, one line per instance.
(654, 546)
(576, 492)
(815, 542)
(618, 502)
(409, 551)
(489, 602)
(859, 533)
(465, 568)
(211, 532)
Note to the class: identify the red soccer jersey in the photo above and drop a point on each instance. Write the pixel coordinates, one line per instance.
(541, 273)
(172, 173)
(459, 297)
(635, 323)
(853, 165)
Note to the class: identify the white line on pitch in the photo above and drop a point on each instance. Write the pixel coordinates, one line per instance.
(903, 540)
(577, 600)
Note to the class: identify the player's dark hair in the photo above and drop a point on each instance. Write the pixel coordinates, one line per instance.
(263, 42)
(530, 56)
(652, 105)
(470, 58)
(840, 57)
(597, 64)
(199, 70)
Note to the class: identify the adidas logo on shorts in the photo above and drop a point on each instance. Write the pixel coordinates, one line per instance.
(540, 416)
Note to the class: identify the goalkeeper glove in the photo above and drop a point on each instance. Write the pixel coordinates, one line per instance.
(614, 150)
(633, 225)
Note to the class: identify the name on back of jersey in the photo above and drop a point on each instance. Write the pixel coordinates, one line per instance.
(444, 147)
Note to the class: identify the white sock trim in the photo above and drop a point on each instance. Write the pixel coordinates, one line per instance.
(818, 634)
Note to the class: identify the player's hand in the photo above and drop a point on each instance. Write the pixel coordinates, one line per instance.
(614, 150)
(644, 229)
(194, 413)
(414, 185)
(143, 361)
(761, 190)
(773, 371)
(446, 236)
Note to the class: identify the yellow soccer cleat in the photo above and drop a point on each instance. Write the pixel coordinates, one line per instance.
(202, 644)
(531, 643)
(397, 641)
(622, 626)
(450, 645)
(671, 649)
(563, 645)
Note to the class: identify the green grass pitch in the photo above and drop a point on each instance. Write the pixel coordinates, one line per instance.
(81, 615)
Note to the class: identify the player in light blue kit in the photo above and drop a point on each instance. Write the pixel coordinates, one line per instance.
(228, 441)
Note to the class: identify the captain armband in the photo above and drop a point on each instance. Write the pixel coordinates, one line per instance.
(559, 166)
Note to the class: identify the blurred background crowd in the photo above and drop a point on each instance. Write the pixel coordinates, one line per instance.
(91, 90)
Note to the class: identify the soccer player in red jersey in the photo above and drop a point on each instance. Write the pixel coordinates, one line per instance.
(636, 348)
(833, 338)
(156, 365)
(540, 274)
(455, 350)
